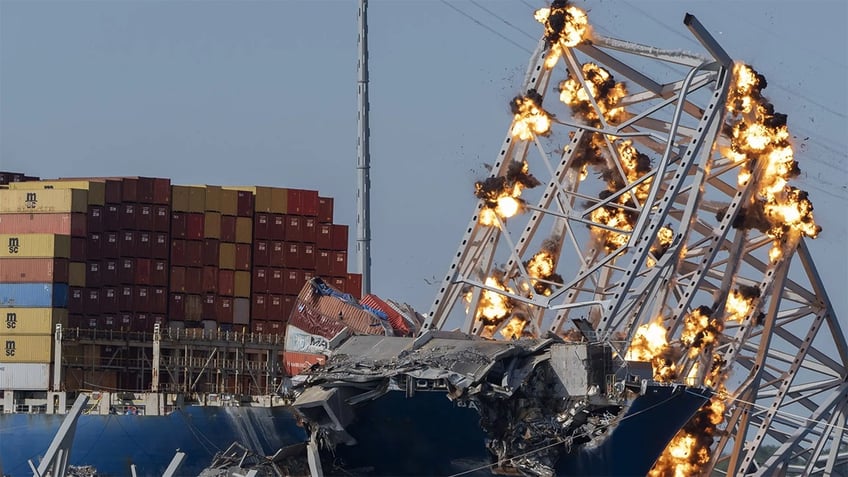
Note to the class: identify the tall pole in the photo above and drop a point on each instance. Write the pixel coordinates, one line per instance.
(363, 156)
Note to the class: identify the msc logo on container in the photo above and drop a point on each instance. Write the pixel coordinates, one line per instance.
(31, 200)
(14, 245)
(10, 348)
(11, 320)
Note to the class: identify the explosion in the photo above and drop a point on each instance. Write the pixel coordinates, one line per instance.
(530, 118)
(514, 329)
(542, 267)
(650, 343)
(565, 26)
(601, 87)
(739, 302)
(501, 194)
(760, 135)
(700, 331)
(494, 307)
(616, 217)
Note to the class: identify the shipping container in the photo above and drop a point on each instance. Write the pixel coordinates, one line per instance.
(161, 246)
(34, 270)
(262, 226)
(241, 287)
(194, 226)
(309, 230)
(125, 298)
(297, 363)
(126, 271)
(307, 257)
(213, 198)
(277, 227)
(291, 255)
(159, 272)
(76, 300)
(354, 285)
(263, 199)
(257, 326)
(276, 327)
(228, 228)
(96, 191)
(110, 246)
(159, 300)
(279, 200)
(43, 201)
(244, 230)
(275, 280)
(34, 295)
(292, 282)
(161, 218)
(277, 254)
(93, 220)
(210, 305)
(194, 253)
(288, 307)
(194, 279)
(176, 306)
(142, 299)
(76, 274)
(58, 224)
(35, 245)
(32, 321)
(109, 300)
(188, 198)
(161, 191)
(261, 254)
(294, 228)
(300, 341)
(325, 210)
(227, 256)
(303, 202)
(229, 202)
(338, 268)
(243, 256)
(128, 217)
(324, 263)
(260, 280)
(144, 189)
(145, 217)
(127, 244)
(212, 225)
(225, 309)
(94, 247)
(110, 271)
(241, 311)
(179, 224)
(259, 308)
(112, 217)
(339, 283)
(178, 279)
(340, 237)
(93, 274)
(226, 282)
(324, 237)
(78, 249)
(26, 348)
(274, 308)
(25, 376)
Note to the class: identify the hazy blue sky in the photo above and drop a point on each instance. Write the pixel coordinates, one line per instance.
(263, 92)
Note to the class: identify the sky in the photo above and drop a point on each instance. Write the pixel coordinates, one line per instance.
(264, 93)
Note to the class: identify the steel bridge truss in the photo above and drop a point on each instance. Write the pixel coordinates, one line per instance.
(783, 364)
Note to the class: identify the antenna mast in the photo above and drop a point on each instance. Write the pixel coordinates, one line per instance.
(363, 156)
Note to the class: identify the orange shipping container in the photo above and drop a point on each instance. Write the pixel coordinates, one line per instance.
(33, 270)
(61, 224)
(296, 363)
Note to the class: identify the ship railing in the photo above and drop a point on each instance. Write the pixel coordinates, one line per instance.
(172, 334)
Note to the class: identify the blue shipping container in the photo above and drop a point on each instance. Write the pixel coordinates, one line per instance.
(34, 295)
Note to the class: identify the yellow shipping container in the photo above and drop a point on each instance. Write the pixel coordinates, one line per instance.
(76, 274)
(188, 198)
(24, 201)
(227, 256)
(279, 200)
(96, 189)
(242, 285)
(213, 198)
(229, 201)
(212, 225)
(31, 321)
(196, 199)
(179, 198)
(35, 245)
(26, 348)
(244, 230)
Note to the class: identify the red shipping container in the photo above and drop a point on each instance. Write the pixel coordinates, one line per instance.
(194, 280)
(145, 189)
(257, 326)
(109, 269)
(278, 227)
(161, 246)
(303, 202)
(339, 237)
(93, 274)
(125, 298)
(178, 253)
(93, 247)
(179, 225)
(141, 299)
(176, 306)
(145, 218)
(297, 363)
(159, 301)
(291, 255)
(159, 273)
(294, 229)
(141, 322)
(243, 256)
(324, 263)
(126, 271)
(325, 210)
(125, 320)
(228, 228)
(210, 252)
(225, 309)
(338, 268)
(258, 309)
(244, 206)
(309, 232)
(210, 306)
(275, 280)
(127, 246)
(307, 257)
(112, 217)
(194, 253)
(93, 220)
(339, 283)
(161, 218)
(292, 282)
(210, 280)
(288, 306)
(308, 275)
(260, 280)
(161, 191)
(144, 244)
(262, 226)
(142, 271)
(108, 322)
(110, 245)
(78, 249)
(129, 189)
(194, 226)
(92, 301)
(76, 300)
(113, 190)
(109, 300)
(324, 237)
(354, 285)
(128, 218)
(275, 308)
(178, 279)
(261, 254)
(61, 224)
(226, 283)
(277, 255)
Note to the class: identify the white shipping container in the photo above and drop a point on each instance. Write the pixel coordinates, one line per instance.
(24, 376)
